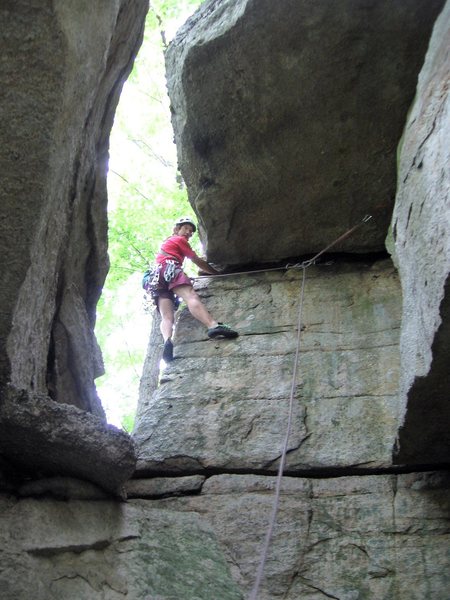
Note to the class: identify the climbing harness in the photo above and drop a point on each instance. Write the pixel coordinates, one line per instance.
(170, 270)
(151, 282)
(304, 265)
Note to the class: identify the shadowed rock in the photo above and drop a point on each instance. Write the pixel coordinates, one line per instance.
(287, 117)
(63, 66)
(106, 549)
(41, 436)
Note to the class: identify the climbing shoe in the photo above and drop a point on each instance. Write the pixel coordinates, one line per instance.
(222, 331)
(168, 351)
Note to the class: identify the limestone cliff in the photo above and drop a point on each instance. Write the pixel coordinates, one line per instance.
(224, 405)
(421, 247)
(287, 117)
(372, 389)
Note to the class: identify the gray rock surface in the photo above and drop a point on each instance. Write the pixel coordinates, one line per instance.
(163, 486)
(62, 488)
(287, 116)
(421, 246)
(380, 537)
(105, 550)
(63, 66)
(41, 436)
(224, 404)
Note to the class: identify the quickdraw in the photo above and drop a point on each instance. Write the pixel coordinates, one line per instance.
(170, 270)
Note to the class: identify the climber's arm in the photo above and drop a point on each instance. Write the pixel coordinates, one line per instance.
(204, 266)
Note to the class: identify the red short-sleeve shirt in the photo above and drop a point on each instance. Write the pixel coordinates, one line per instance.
(177, 247)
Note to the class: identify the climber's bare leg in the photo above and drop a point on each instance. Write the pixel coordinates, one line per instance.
(195, 305)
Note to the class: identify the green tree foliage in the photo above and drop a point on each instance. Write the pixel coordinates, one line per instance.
(146, 195)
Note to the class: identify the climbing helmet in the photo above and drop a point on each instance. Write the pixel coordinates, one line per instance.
(186, 221)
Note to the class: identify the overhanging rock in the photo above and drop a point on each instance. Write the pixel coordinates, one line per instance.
(287, 117)
(41, 436)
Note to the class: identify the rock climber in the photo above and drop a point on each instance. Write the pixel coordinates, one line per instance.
(170, 283)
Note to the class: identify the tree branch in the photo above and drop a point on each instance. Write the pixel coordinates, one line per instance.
(160, 23)
(129, 183)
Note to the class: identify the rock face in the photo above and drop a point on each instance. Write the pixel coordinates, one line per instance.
(281, 110)
(62, 71)
(63, 66)
(365, 400)
(224, 405)
(287, 117)
(383, 537)
(39, 435)
(101, 549)
(345, 538)
(421, 247)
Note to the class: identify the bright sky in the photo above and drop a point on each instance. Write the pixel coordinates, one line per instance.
(119, 389)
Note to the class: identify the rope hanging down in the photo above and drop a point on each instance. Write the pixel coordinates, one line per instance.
(260, 572)
(265, 549)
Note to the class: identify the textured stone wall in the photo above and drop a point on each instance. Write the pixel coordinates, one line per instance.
(224, 405)
(219, 412)
(63, 66)
(420, 244)
(380, 537)
(99, 549)
(351, 523)
(287, 117)
(209, 438)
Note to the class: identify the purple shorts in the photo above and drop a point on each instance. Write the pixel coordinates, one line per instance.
(165, 290)
(180, 279)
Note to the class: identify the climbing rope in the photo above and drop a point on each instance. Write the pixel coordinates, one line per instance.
(260, 572)
(276, 501)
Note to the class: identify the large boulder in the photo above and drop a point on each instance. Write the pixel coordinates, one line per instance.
(42, 437)
(420, 243)
(287, 116)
